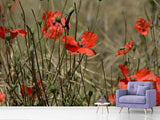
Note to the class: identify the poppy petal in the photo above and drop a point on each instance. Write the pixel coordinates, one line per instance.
(112, 98)
(87, 51)
(29, 90)
(3, 31)
(89, 39)
(122, 84)
(129, 45)
(72, 48)
(124, 69)
(158, 83)
(2, 97)
(22, 89)
(144, 75)
(120, 52)
(15, 32)
(69, 40)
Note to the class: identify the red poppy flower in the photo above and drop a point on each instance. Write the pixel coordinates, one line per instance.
(124, 82)
(2, 97)
(29, 90)
(13, 33)
(141, 75)
(142, 26)
(144, 75)
(88, 40)
(112, 98)
(158, 98)
(13, 6)
(126, 48)
(158, 89)
(52, 28)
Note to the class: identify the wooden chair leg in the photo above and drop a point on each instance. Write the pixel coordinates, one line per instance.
(107, 109)
(120, 109)
(97, 109)
(145, 110)
(152, 109)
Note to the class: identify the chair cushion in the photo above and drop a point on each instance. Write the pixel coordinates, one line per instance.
(142, 90)
(133, 86)
(131, 99)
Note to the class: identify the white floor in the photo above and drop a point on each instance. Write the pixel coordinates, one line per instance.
(75, 113)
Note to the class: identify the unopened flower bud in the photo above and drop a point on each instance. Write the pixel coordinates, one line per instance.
(39, 22)
(70, 10)
(32, 30)
(151, 25)
(58, 19)
(132, 79)
(134, 48)
(90, 93)
(122, 48)
(53, 90)
(8, 36)
(9, 5)
(125, 62)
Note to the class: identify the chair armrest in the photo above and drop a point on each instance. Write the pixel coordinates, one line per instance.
(151, 97)
(121, 92)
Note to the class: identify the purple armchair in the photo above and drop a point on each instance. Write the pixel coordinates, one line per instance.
(138, 95)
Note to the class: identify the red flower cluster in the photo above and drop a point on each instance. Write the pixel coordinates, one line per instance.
(13, 34)
(30, 90)
(52, 28)
(2, 97)
(126, 48)
(142, 26)
(141, 75)
(88, 40)
(112, 98)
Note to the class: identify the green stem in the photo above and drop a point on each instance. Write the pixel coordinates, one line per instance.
(97, 14)
(146, 50)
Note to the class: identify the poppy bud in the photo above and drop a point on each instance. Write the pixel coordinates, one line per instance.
(132, 79)
(158, 65)
(9, 5)
(70, 10)
(125, 62)
(134, 48)
(53, 90)
(151, 25)
(90, 93)
(39, 22)
(32, 30)
(122, 48)
(58, 19)
(8, 36)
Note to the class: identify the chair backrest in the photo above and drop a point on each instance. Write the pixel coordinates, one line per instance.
(133, 86)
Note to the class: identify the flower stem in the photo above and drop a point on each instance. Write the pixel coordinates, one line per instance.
(146, 50)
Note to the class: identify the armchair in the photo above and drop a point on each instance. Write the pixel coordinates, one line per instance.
(138, 95)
